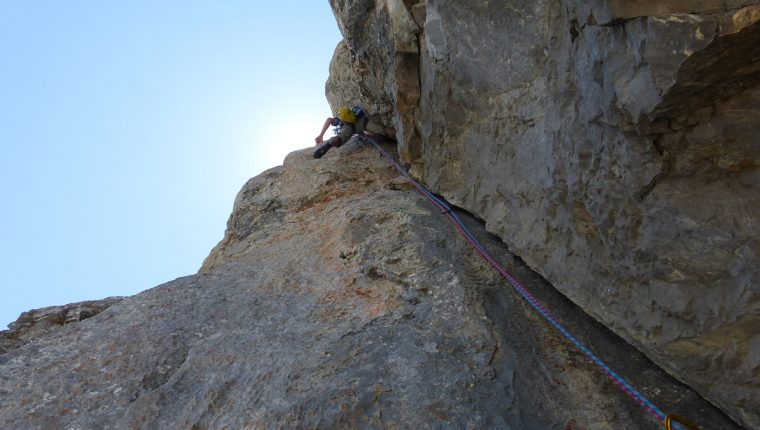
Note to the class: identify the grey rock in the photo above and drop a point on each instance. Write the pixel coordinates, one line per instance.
(42, 322)
(343, 88)
(611, 144)
(337, 299)
(384, 63)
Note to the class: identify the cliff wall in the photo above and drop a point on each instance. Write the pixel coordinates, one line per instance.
(611, 144)
(338, 299)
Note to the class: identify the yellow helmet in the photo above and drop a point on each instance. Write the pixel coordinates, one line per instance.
(346, 115)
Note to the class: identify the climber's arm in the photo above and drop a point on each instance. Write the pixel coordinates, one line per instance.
(328, 122)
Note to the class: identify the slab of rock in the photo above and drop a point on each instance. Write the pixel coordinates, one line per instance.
(611, 144)
(337, 299)
(41, 322)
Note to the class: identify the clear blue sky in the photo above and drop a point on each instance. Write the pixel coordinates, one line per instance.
(127, 129)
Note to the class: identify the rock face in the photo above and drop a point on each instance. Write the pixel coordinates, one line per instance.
(611, 144)
(337, 299)
(42, 322)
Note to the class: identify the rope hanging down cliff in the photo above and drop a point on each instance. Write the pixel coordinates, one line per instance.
(668, 421)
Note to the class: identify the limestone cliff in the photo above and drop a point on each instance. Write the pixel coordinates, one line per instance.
(613, 145)
(610, 145)
(337, 299)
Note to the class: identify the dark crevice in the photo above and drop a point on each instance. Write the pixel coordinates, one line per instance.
(666, 164)
(727, 66)
(574, 30)
(617, 22)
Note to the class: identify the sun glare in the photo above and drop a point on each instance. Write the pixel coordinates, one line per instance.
(284, 137)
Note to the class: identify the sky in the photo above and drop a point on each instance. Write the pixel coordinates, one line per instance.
(127, 129)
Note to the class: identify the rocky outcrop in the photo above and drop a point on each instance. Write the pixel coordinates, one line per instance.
(380, 56)
(337, 299)
(42, 322)
(611, 144)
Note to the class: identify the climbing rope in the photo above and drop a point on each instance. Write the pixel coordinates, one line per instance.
(669, 421)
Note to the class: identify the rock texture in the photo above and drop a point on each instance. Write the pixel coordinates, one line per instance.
(611, 144)
(337, 299)
(42, 322)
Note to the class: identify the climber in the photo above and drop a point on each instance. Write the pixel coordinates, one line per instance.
(349, 122)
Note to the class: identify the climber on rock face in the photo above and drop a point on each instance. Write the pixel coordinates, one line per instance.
(349, 122)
